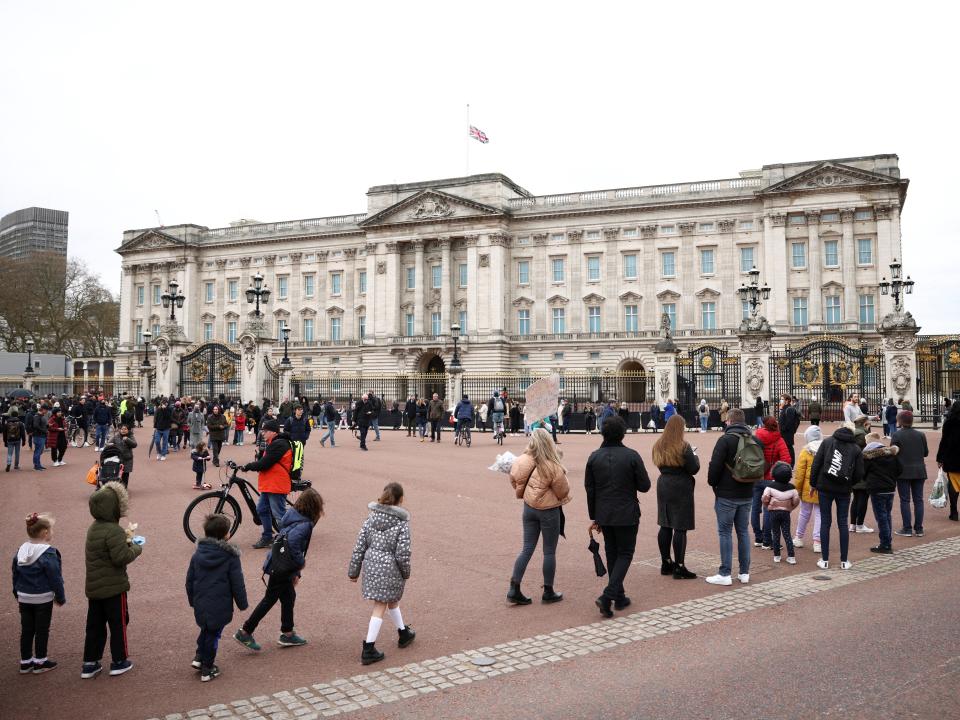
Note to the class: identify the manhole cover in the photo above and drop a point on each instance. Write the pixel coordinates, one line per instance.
(482, 660)
(822, 577)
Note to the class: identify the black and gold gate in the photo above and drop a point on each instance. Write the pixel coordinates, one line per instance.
(271, 382)
(708, 373)
(938, 374)
(209, 371)
(827, 371)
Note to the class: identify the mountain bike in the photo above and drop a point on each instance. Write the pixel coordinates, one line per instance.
(463, 433)
(74, 432)
(222, 502)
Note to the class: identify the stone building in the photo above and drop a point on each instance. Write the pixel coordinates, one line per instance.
(576, 281)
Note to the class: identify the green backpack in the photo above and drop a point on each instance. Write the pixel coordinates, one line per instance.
(749, 464)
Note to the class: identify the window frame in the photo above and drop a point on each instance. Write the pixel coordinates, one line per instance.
(336, 283)
(553, 270)
(705, 313)
(836, 254)
(634, 316)
(523, 269)
(713, 260)
(794, 245)
(558, 317)
(860, 261)
(672, 254)
(591, 260)
(626, 276)
(463, 274)
(523, 322)
(594, 313)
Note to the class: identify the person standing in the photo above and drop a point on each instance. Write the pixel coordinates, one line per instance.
(482, 417)
(881, 469)
(76, 411)
(39, 430)
(410, 414)
(124, 442)
(540, 480)
(948, 456)
(57, 436)
(678, 463)
(435, 416)
(516, 417)
(814, 411)
(703, 412)
(789, 422)
(774, 451)
(669, 410)
(14, 437)
(422, 418)
(463, 413)
(273, 480)
(724, 410)
(733, 497)
(195, 421)
(375, 406)
(837, 467)
(297, 426)
(217, 429)
(362, 415)
(809, 499)
(913, 450)
(37, 585)
(239, 426)
(758, 410)
(330, 417)
(613, 476)
(889, 418)
(162, 419)
(138, 414)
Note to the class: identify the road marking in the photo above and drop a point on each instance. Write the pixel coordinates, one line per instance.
(344, 695)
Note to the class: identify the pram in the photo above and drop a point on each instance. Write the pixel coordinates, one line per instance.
(110, 466)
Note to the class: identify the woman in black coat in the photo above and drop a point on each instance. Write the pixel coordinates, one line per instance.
(675, 512)
(758, 409)
(948, 456)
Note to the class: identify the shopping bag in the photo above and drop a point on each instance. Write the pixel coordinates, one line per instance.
(92, 474)
(503, 462)
(938, 495)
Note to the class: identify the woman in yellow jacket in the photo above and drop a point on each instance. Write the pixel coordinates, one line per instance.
(809, 499)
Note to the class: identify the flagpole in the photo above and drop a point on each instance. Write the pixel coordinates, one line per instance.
(467, 139)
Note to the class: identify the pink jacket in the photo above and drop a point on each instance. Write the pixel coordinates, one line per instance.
(774, 499)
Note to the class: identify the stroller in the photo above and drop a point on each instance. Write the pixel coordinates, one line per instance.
(111, 467)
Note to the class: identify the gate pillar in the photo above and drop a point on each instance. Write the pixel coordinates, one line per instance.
(255, 351)
(665, 365)
(286, 375)
(169, 348)
(899, 332)
(454, 386)
(755, 347)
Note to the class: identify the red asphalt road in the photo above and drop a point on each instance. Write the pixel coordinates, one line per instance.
(466, 533)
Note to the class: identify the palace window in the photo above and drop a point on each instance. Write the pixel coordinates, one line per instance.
(864, 251)
(745, 224)
(866, 310)
(281, 324)
(362, 281)
(593, 319)
(462, 321)
(408, 325)
(233, 290)
(208, 331)
(668, 264)
(156, 329)
(593, 268)
(140, 295)
(630, 267)
(630, 233)
(232, 331)
(208, 292)
(800, 312)
(670, 310)
(745, 309)
(630, 319)
(283, 287)
(436, 275)
(308, 329)
(706, 227)
(435, 323)
(336, 329)
(462, 270)
(707, 265)
(831, 257)
(523, 272)
(747, 259)
(559, 321)
(138, 333)
(362, 326)
(155, 294)
(833, 310)
(523, 322)
(593, 234)
(863, 215)
(708, 315)
(668, 229)
(798, 255)
(830, 217)
(308, 285)
(336, 283)
(411, 278)
(558, 270)
(594, 355)
(798, 219)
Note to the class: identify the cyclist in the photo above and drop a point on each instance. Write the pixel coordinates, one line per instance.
(464, 416)
(78, 413)
(273, 481)
(496, 407)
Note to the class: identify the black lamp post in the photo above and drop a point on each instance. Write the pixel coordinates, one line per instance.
(286, 341)
(146, 348)
(455, 333)
(753, 292)
(29, 368)
(172, 299)
(896, 286)
(258, 292)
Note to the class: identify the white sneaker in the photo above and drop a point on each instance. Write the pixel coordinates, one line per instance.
(816, 547)
(864, 529)
(744, 578)
(791, 561)
(846, 565)
(776, 558)
(797, 542)
(823, 564)
(852, 528)
(86, 444)
(72, 444)
(719, 580)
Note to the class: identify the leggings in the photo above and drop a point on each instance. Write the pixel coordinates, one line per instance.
(679, 541)
(34, 630)
(843, 516)
(858, 508)
(536, 522)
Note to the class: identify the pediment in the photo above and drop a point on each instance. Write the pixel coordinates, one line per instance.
(307, 312)
(708, 292)
(522, 301)
(558, 300)
(360, 309)
(668, 295)
(832, 285)
(230, 315)
(334, 310)
(830, 176)
(430, 206)
(151, 240)
(280, 312)
(208, 316)
(630, 296)
(593, 298)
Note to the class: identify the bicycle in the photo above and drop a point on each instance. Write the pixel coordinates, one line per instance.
(222, 502)
(459, 439)
(74, 432)
(498, 432)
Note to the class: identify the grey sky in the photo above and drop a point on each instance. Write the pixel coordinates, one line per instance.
(212, 111)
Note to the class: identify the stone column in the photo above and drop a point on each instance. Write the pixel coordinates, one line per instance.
(665, 367)
(898, 331)
(446, 281)
(286, 375)
(773, 270)
(814, 265)
(190, 313)
(498, 273)
(610, 281)
(473, 291)
(255, 350)
(540, 281)
(454, 388)
(755, 348)
(296, 296)
(146, 372)
(127, 301)
(419, 293)
(168, 350)
(28, 381)
(888, 249)
(576, 282)
(349, 329)
(848, 253)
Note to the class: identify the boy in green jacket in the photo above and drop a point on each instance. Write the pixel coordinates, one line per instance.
(108, 552)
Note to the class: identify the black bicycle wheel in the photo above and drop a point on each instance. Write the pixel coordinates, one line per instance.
(207, 504)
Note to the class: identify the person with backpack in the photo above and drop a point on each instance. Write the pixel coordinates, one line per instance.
(774, 451)
(39, 431)
(703, 412)
(837, 467)
(496, 409)
(330, 418)
(14, 437)
(284, 564)
(123, 444)
(273, 481)
(736, 465)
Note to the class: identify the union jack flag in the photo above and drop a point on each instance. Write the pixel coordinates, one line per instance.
(478, 134)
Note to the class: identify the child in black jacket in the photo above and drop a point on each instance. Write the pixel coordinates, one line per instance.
(881, 468)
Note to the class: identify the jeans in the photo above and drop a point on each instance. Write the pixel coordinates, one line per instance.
(270, 505)
(761, 532)
(858, 507)
(843, 517)
(906, 489)
(422, 429)
(780, 526)
(331, 428)
(703, 422)
(463, 428)
(13, 451)
(435, 427)
(806, 511)
(733, 513)
(34, 630)
(536, 522)
(160, 439)
(281, 590)
(101, 435)
(207, 642)
(375, 424)
(883, 512)
(619, 543)
(103, 613)
(39, 443)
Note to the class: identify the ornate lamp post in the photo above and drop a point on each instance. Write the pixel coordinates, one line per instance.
(896, 286)
(173, 299)
(455, 333)
(286, 341)
(29, 368)
(146, 348)
(753, 292)
(258, 292)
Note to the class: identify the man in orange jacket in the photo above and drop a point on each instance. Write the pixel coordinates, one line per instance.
(273, 481)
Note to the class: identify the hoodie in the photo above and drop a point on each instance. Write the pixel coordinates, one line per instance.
(215, 583)
(37, 576)
(108, 552)
(298, 530)
(838, 464)
(774, 449)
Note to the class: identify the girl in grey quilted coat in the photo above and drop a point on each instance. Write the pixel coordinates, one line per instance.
(383, 553)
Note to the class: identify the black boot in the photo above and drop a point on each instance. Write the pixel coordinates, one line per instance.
(517, 597)
(680, 572)
(604, 604)
(370, 654)
(406, 636)
(666, 567)
(549, 596)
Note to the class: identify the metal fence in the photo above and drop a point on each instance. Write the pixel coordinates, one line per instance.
(42, 385)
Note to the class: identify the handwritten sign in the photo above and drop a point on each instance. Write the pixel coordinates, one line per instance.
(542, 398)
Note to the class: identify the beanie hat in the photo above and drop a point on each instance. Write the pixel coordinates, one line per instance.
(782, 472)
(813, 434)
(271, 425)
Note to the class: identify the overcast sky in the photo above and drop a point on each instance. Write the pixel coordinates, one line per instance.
(212, 111)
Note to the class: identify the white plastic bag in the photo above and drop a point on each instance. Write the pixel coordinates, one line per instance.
(503, 463)
(938, 495)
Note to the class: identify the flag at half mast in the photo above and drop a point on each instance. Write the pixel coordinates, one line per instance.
(478, 134)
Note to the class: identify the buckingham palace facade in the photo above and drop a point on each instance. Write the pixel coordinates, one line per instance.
(578, 280)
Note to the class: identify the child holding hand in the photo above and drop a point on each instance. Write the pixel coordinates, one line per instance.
(780, 497)
(200, 457)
